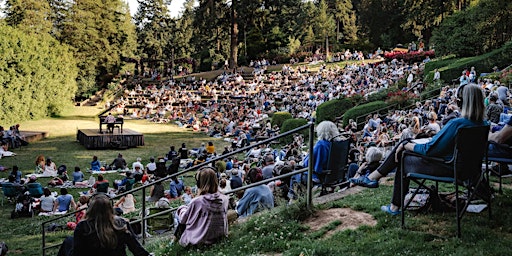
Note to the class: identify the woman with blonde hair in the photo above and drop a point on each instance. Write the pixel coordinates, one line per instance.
(204, 220)
(471, 99)
(40, 164)
(102, 233)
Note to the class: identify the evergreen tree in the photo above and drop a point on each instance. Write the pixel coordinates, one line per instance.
(346, 20)
(100, 33)
(153, 26)
(37, 74)
(325, 25)
(28, 15)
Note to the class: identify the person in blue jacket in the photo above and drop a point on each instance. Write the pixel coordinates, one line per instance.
(441, 145)
(325, 132)
(257, 198)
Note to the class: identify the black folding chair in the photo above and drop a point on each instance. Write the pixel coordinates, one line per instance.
(334, 175)
(470, 149)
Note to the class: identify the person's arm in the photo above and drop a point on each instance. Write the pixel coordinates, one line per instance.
(73, 204)
(502, 136)
(55, 204)
(119, 202)
(133, 244)
(243, 204)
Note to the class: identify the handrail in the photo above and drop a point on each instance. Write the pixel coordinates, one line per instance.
(144, 217)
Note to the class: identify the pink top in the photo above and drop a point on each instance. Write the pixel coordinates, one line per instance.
(206, 219)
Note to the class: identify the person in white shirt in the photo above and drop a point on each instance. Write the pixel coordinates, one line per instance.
(151, 166)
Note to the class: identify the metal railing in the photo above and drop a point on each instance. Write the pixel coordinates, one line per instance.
(142, 220)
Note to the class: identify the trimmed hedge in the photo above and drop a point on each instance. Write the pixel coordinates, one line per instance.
(452, 68)
(332, 109)
(291, 124)
(362, 110)
(279, 117)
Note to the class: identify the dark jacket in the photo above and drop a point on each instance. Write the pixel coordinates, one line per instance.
(87, 243)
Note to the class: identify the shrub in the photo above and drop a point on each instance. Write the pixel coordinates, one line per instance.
(401, 98)
(363, 110)
(279, 117)
(379, 96)
(332, 109)
(291, 124)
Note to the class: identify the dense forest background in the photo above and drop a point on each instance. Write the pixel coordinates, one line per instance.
(55, 51)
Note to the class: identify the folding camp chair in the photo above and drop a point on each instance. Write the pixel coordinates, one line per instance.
(470, 149)
(334, 175)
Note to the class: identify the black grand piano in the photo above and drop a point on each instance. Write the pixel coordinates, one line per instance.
(119, 121)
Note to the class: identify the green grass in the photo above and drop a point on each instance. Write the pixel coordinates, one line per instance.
(23, 235)
(280, 231)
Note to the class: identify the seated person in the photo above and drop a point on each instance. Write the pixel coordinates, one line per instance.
(110, 121)
(205, 218)
(47, 202)
(372, 161)
(127, 182)
(12, 181)
(78, 175)
(256, 198)
(4, 150)
(119, 163)
(126, 203)
(50, 169)
(101, 233)
(95, 164)
(176, 187)
(151, 166)
(156, 192)
(441, 145)
(64, 201)
(16, 173)
(101, 185)
(500, 142)
(325, 132)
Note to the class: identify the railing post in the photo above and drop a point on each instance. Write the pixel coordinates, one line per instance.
(44, 240)
(143, 216)
(310, 165)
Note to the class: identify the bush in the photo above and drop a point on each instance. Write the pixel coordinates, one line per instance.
(363, 110)
(279, 117)
(379, 96)
(332, 109)
(501, 58)
(291, 124)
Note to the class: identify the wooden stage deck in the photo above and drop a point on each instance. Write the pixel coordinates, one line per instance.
(92, 139)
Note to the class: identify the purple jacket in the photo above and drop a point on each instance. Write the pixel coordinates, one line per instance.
(206, 219)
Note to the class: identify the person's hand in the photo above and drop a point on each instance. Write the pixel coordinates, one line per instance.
(399, 149)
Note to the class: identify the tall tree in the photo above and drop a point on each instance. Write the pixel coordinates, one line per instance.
(100, 33)
(233, 54)
(346, 20)
(153, 26)
(31, 16)
(325, 25)
(37, 75)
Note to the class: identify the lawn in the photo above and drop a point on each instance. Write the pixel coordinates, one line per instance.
(23, 235)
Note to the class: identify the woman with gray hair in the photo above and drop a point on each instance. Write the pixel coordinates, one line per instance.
(325, 132)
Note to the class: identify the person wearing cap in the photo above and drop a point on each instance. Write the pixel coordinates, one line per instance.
(137, 164)
(119, 163)
(235, 180)
(268, 168)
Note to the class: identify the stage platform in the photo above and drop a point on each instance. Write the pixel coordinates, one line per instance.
(93, 139)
